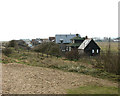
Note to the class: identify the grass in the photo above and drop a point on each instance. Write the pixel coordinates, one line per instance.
(83, 66)
(93, 90)
(105, 45)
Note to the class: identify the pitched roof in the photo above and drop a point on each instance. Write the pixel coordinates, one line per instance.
(77, 38)
(74, 44)
(65, 37)
(85, 43)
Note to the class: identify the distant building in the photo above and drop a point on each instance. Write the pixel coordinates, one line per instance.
(116, 39)
(27, 41)
(22, 44)
(97, 39)
(52, 39)
(64, 38)
(45, 40)
(35, 42)
(105, 39)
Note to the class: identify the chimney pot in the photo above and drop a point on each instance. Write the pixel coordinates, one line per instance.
(86, 37)
(77, 35)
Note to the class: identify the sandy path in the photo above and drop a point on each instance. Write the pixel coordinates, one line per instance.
(23, 79)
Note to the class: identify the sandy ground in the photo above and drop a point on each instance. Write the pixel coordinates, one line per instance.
(23, 79)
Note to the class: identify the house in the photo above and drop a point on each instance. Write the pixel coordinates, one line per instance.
(27, 41)
(83, 45)
(89, 47)
(35, 42)
(76, 42)
(64, 38)
(22, 44)
(52, 39)
(45, 40)
(38, 41)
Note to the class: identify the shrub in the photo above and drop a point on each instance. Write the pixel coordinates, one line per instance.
(72, 55)
(108, 62)
(7, 51)
(18, 45)
(12, 43)
(48, 48)
(54, 50)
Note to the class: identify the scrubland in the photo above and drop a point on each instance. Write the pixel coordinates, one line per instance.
(101, 67)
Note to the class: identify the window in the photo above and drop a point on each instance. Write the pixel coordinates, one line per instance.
(63, 50)
(92, 50)
(97, 51)
(73, 41)
(69, 48)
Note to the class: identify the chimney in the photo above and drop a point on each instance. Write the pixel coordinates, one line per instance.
(86, 37)
(77, 35)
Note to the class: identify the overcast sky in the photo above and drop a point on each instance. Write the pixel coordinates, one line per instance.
(44, 18)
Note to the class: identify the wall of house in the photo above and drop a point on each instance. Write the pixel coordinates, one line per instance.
(92, 49)
(81, 51)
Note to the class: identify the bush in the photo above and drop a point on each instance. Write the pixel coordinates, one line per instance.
(108, 62)
(7, 51)
(18, 45)
(72, 55)
(54, 50)
(12, 43)
(48, 48)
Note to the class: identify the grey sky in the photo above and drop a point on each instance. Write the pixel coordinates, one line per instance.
(44, 18)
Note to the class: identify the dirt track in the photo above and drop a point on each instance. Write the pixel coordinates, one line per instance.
(23, 79)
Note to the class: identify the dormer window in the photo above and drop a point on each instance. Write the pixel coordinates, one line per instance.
(61, 40)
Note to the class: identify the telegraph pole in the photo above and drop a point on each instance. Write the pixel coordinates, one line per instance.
(109, 45)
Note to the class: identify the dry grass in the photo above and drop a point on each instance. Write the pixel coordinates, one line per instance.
(105, 45)
(84, 65)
